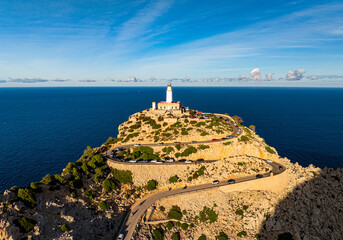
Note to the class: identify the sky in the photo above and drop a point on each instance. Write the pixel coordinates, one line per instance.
(187, 42)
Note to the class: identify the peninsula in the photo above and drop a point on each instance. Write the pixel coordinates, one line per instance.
(177, 173)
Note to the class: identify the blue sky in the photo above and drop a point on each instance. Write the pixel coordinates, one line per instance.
(103, 43)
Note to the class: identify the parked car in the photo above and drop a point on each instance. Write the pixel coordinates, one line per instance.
(214, 139)
(231, 181)
(230, 136)
(133, 161)
(270, 161)
(215, 182)
(161, 143)
(136, 145)
(177, 143)
(120, 237)
(194, 142)
(188, 161)
(200, 160)
(170, 160)
(158, 162)
(259, 176)
(154, 161)
(182, 160)
(144, 161)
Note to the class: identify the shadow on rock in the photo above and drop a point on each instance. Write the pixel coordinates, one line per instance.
(313, 211)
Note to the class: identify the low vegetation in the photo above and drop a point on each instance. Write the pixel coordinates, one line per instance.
(175, 213)
(207, 214)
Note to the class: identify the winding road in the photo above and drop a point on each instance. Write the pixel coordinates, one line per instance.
(136, 212)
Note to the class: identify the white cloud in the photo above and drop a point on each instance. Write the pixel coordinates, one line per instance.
(295, 75)
(256, 74)
(269, 76)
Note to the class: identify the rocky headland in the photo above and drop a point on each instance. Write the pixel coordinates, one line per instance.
(90, 198)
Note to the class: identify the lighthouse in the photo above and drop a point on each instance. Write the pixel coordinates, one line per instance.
(169, 93)
(169, 105)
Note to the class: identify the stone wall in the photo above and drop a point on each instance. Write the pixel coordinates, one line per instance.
(276, 184)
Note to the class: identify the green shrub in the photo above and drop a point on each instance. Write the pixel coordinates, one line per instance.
(193, 122)
(168, 149)
(177, 155)
(184, 226)
(184, 132)
(26, 196)
(34, 186)
(207, 214)
(202, 237)
(242, 234)
(89, 194)
(222, 236)
(244, 139)
(178, 147)
(65, 228)
(69, 167)
(123, 176)
(173, 179)
(227, 143)
(109, 185)
(160, 118)
(189, 179)
(96, 161)
(104, 205)
(202, 147)
(188, 151)
(204, 134)
(25, 224)
(239, 212)
(47, 179)
(176, 236)
(112, 140)
(158, 234)
(132, 135)
(245, 207)
(169, 225)
(175, 213)
(268, 149)
(60, 179)
(162, 208)
(199, 124)
(85, 169)
(186, 120)
(151, 185)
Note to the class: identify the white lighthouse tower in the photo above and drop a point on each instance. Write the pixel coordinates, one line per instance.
(169, 93)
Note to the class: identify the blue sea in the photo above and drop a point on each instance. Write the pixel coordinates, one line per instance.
(42, 129)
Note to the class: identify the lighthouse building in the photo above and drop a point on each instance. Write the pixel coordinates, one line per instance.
(169, 104)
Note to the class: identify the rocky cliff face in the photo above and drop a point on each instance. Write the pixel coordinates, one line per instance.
(310, 208)
(88, 199)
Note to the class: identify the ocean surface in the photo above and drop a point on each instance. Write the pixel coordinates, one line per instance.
(42, 129)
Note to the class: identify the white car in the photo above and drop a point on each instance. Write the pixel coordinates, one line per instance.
(170, 160)
(188, 161)
(215, 182)
(133, 161)
(120, 237)
(270, 161)
(158, 162)
(153, 161)
(136, 145)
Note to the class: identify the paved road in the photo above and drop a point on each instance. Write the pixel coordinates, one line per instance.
(232, 124)
(137, 211)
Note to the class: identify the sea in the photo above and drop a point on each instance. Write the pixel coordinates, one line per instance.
(42, 129)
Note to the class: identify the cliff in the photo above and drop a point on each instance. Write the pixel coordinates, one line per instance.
(90, 197)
